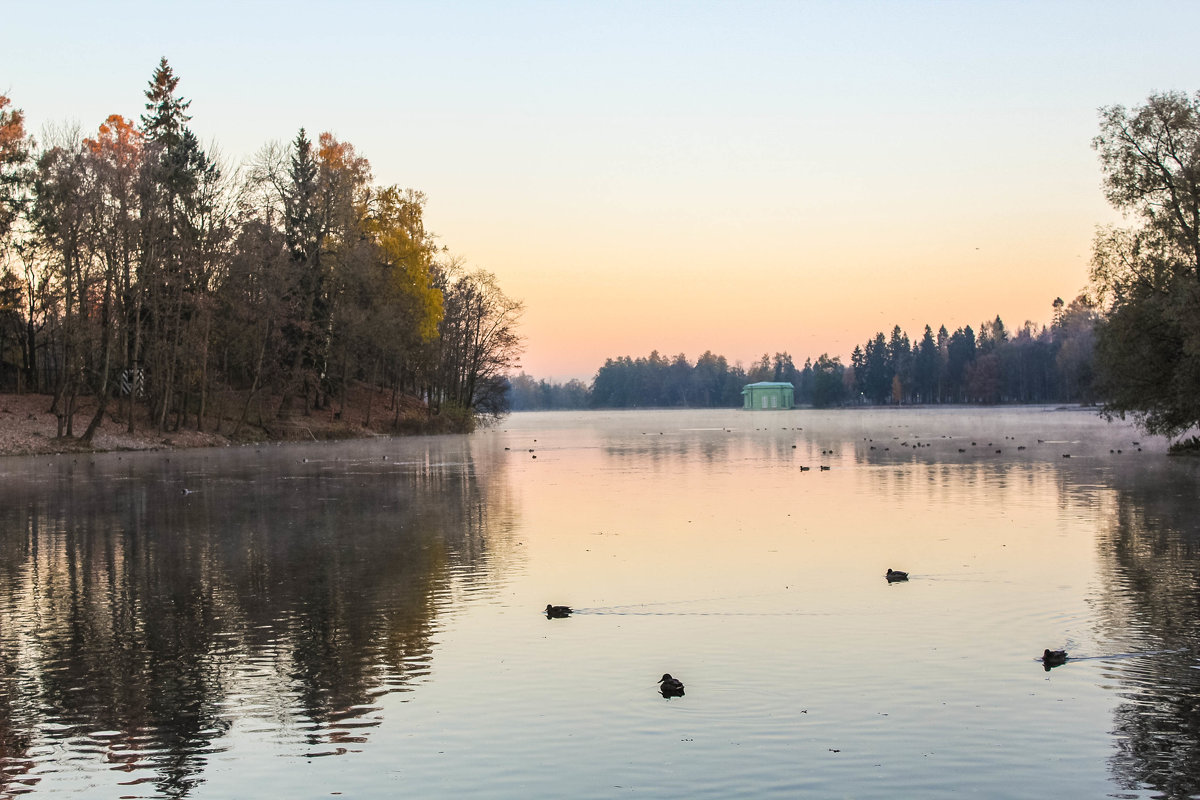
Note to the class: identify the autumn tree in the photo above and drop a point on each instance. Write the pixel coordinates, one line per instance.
(62, 213)
(406, 309)
(15, 148)
(291, 278)
(900, 359)
(1148, 273)
(115, 161)
(14, 161)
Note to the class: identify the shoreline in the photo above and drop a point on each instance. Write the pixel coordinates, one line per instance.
(27, 428)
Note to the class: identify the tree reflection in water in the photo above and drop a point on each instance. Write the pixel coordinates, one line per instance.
(139, 623)
(1150, 560)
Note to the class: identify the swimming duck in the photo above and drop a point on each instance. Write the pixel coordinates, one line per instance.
(670, 687)
(894, 575)
(1053, 658)
(557, 612)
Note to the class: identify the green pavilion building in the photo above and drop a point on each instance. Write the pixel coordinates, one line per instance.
(768, 395)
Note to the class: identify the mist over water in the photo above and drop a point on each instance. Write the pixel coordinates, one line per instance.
(365, 618)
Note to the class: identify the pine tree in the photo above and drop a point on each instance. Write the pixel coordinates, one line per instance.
(176, 212)
(299, 202)
(165, 115)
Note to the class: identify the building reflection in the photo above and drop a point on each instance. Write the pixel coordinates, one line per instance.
(149, 604)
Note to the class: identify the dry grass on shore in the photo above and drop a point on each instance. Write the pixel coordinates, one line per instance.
(28, 427)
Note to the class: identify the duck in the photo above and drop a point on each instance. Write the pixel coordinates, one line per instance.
(894, 575)
(1053, 658)
(670, 687)
(557, 612)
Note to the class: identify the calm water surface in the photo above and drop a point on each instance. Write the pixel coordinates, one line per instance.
(362, 619)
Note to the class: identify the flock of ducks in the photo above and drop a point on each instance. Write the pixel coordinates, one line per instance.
(669, 686)
(673, 687)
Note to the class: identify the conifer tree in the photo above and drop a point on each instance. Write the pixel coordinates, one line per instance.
(176, 207)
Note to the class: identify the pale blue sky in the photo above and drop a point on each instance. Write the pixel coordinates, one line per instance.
(681, 176)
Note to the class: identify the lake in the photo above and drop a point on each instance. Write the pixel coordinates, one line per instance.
(365, 619)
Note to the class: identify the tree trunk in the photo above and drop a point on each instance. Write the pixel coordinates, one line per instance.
(203, 378)
(262, 350)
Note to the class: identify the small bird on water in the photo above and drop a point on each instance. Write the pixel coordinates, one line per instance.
(894, 575)
(670, 687)
(1053, 658)
(557, 612)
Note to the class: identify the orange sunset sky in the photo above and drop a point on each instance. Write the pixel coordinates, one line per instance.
(740, 177)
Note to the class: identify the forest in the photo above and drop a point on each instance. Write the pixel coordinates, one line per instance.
(1031, 364)
(140, 273)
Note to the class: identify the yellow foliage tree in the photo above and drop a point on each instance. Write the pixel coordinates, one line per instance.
(397, 227)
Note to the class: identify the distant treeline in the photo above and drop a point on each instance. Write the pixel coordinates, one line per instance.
(1131, 343)
(1032, 364)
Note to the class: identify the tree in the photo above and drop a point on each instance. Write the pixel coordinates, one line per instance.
(15, 149)
(478, 344)
(900, 357)
(62, 214)
(960, 353)
(877, 370)
(762, 370)
(292, 277)
(180, 235)
(858, 371)
(783, 369)
(828, 382)
(115, 157)
(983, 379)
(1075, 344)
(14, 160)
(708, 379)
(1148, 348)
(925, 367)
(409, 302)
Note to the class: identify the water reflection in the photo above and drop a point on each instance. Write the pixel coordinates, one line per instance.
(148, 604)
(1151, 602)
(228, 624)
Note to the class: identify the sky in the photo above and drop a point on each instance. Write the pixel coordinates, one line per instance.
(745, 178)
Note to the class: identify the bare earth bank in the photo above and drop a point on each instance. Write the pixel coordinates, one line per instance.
(27, 427)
